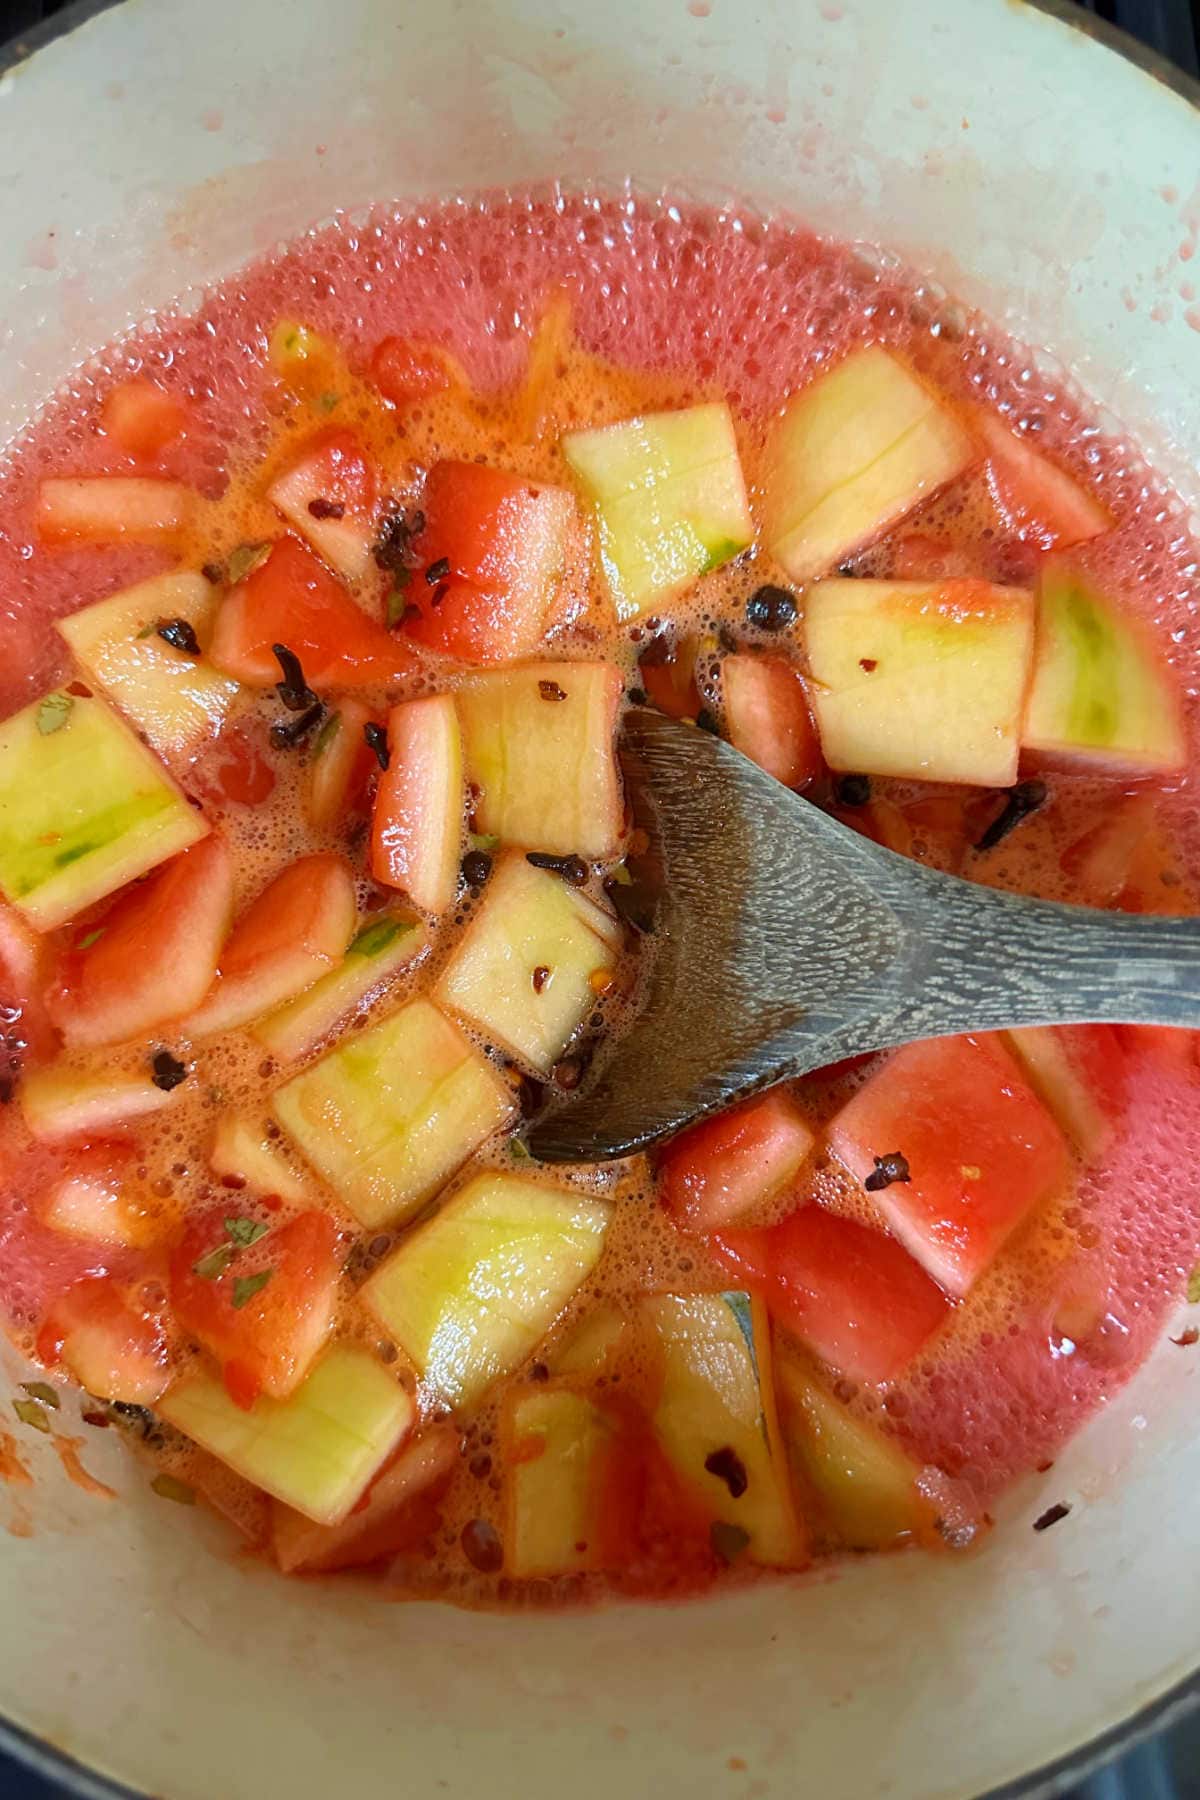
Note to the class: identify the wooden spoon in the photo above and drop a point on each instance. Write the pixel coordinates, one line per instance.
(783, 941)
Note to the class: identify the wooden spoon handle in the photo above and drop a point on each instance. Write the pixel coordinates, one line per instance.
(996, 960)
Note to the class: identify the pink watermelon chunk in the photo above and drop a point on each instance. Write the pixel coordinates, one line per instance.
(852, 1293)
(981, 1149)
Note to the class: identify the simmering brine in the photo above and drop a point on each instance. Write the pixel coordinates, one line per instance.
(322, 602)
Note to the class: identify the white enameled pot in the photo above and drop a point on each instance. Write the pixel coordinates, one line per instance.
(1033, 171)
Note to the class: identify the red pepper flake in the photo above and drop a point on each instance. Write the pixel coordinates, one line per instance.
(1051, 1516)
(437, 571)
(321, 508)
(1187, 1338)
(541, 976)
(97, 1419)
(550, 690)
(868, 663)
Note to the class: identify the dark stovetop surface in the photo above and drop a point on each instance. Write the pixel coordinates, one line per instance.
(1166, 1767)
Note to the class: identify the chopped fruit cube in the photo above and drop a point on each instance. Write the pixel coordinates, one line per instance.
(586, 1350)
(110, 1350)
(492, 556)
(339, 767)
(924, 682)
(319, 1449)
(540, 746)
(1079, 1071)
(397, 1511)
(416, 838)
(112, 507)
(84, 808)
(404, 370)
(292, 599)
(295, 931)
(62, 1103)
(469, 1295)
(170, 693)
(1035, 498)
(725, 1167)
(852, 1293)
(767, 717)
(853, 453)
(260, 1299)
(864, 1484)
(670, 500)
(715, 1417)
(100, 1200)
(151, 956)
(143, 420)
(551, 1439)
(243, 1155)
(24, 969)
(1129, 861)
(386, 944)
(1101, 694)
(389, 1116)
(522, 971)
(329, 496)
(980, 1149)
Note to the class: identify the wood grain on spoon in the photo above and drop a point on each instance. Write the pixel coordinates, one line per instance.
(783, 941)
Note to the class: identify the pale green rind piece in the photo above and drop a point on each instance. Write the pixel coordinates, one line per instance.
(63, 1102)
(84, 808)
(716, 1395)
(921, 680)
(552, 1496)
(546, 770)
(854, 451)
(1100, 692)
(245, 1151)
(388, 1116)
(178, 700)
(470, 1294)
(318, 1449)
(588, 1347)
(865, 1483)
(381, 949)
(530, 921)
(670, 500)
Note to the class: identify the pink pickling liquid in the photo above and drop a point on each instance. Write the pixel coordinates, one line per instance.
(749, 310)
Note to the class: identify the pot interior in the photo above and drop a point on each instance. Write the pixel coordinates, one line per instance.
(1031, 172)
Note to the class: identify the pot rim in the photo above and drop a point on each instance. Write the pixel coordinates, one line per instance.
(45, 1759)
